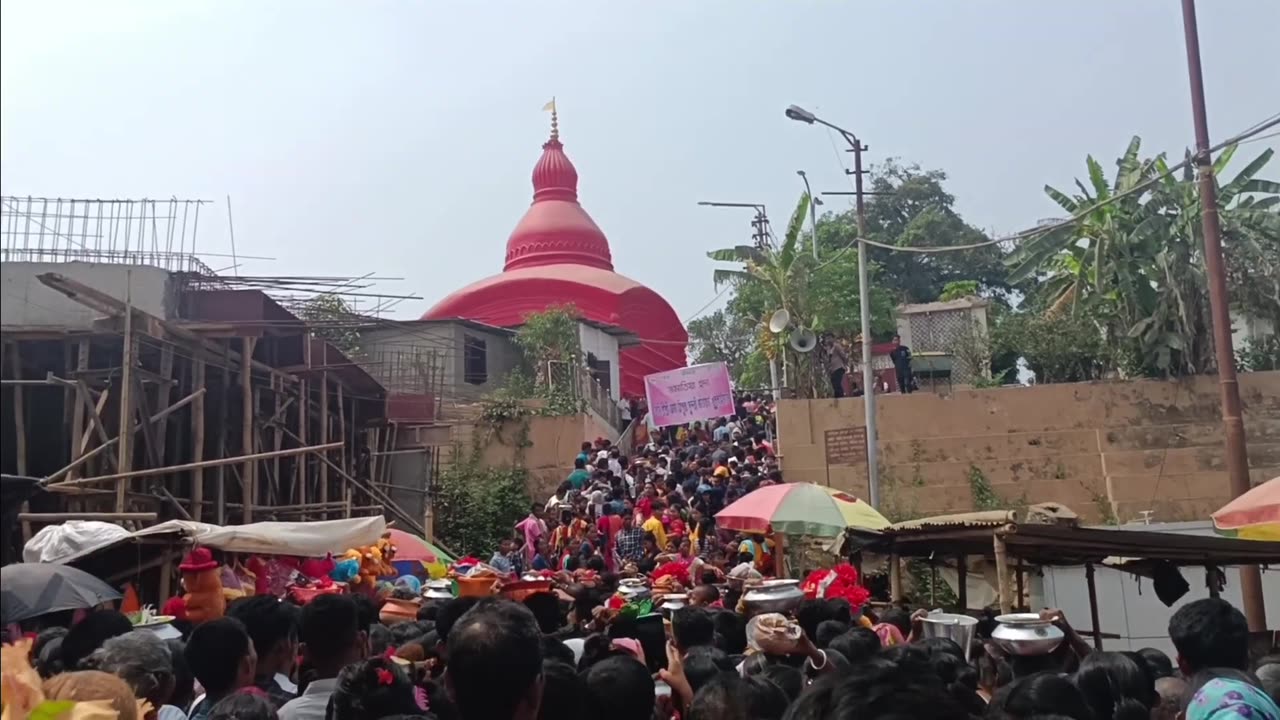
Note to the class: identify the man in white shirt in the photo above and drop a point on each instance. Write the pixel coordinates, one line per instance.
(331, 638)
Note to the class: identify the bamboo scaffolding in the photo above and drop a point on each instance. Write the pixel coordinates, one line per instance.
(148, 472)
(198, 394)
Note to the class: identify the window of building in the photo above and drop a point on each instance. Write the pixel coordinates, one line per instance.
(475, 360)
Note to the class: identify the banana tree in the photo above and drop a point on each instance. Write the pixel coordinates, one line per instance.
(777, 275)
(1134, 265)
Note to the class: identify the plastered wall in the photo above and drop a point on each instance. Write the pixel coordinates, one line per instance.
(1106, 450)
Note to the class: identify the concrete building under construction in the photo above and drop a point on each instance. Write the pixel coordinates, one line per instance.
(140, 385)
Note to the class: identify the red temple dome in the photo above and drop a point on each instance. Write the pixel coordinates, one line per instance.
(556, 229)
(556, 255)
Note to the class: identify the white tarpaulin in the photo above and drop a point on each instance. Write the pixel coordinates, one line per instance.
(56, 542)
(306, 539)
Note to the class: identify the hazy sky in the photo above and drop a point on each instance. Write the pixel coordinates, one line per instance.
(398, 137)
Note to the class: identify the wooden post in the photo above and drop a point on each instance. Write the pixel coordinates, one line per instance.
(895, 579)
(197, 440)
(1002, 574)
(68, 470)
(220, 448)
(77, 416)
(1093, 606)
(779, 555)
(277, 440)
(1211, 580)
(19, 426)
(68, 390)
(962, 582)
(247, 480)
(304, 419)
(324, 434)
(124, 460)
(95, 414)
(374, 453)
(933, 584)
(164, 397)
(166, 577)
(342, 430)
(1017, 574)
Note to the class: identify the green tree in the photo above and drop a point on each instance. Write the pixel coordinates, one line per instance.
(1132, 262)
(333, 321)
(911, 208)
(720, 337)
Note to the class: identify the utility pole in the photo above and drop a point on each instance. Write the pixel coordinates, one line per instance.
(864, 300)
(1237, 454)
(799, 114)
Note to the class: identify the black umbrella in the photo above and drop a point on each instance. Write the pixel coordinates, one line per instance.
(31, 589)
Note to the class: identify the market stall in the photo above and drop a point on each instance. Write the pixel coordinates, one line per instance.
(1015, 547)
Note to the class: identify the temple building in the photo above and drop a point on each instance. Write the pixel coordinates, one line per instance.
(558, 255)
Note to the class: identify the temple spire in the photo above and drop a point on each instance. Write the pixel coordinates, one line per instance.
(555, 119)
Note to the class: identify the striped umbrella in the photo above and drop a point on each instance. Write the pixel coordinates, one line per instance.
(1254, 515)
(800, 509)
(413, 554)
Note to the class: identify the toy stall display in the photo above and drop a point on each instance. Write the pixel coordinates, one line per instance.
(203, 599)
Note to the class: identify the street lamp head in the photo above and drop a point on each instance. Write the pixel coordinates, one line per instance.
(704, 203)
(795, 112)
(800, 173)
(818, 201)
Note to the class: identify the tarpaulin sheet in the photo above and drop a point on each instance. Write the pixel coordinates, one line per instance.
(306, 539)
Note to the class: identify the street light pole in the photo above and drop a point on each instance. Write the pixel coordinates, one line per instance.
(1237, 454)
(864, 299)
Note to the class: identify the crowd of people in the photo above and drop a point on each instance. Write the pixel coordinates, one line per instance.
(548, 658)
(614, 512)
(569, 653)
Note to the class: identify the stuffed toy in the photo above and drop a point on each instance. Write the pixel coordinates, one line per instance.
(318, 567)
(370, 559)
(386, 554)
(345, 570)
(204, 599)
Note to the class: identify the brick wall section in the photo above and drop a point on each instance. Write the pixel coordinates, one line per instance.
(1103, 449)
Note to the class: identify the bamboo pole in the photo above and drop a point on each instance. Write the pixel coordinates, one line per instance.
(166, 576)
(78, 416)
(342, 430)
(164, 396)
(1093, 605)
(51, 518)
(19, 426)
(124, 458)
(1002, 573)
(248, 481)
(895, 579)
(304, 410)
(95, 414)
(220, 447)
(324, 433)
(197, 395)
(277, 439)
(962, 582)
(197, 439)
(218, 462)
(372, 492)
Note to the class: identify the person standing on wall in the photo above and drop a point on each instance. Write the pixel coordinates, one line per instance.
(837, 363)
(901, 357)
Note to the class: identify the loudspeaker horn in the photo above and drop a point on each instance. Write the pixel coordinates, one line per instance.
(779, 321)
(803, 340)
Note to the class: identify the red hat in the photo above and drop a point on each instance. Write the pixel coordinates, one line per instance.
(198, 559)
